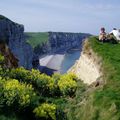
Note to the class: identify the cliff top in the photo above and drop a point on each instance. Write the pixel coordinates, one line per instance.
(2, 17)
(14, 23)
(104, 101)
(36, 38)
(101, 102)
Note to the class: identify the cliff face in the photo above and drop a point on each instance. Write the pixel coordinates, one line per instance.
(13, 35)
(60, 42)
(63, 41)
(10, 60)
(88, 67)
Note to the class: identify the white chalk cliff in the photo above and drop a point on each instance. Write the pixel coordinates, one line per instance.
(88, 67)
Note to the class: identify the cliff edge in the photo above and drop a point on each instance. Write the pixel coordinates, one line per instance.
(12, 34)
(99, 100)
(88, 67)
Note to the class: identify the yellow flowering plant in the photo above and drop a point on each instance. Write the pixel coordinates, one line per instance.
(67, 84)
(14, 91)
(46, 110)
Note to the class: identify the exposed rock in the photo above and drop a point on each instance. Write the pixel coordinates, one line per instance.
(61, 41)
(88, 67)
(13, 35)
(10, 60)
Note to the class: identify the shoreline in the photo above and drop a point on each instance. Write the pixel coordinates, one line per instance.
(52, 61)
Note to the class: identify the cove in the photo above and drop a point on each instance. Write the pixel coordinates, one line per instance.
(69, 60)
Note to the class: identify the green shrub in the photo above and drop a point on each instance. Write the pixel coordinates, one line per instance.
(14, 91)
(4, 72)
(43, 83)
(2, 117)
(42, 80)
(23, 90)
(20, 74)
(1, 92)
(2, 60)
(46, 110)
(67, 84)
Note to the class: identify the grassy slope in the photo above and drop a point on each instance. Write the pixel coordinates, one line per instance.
(108, 99)
(37, 38)
(102, 103)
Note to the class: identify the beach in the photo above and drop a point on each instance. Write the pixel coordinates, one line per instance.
(53, 61)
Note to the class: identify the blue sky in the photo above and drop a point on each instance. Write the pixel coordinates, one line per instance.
(63, 15)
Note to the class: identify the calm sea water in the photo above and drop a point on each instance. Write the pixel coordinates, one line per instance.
(69, 60)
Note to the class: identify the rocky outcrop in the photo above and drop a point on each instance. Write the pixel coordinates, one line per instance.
(12, 34)
(88, 67)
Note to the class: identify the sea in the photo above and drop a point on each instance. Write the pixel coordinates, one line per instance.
(69, 60)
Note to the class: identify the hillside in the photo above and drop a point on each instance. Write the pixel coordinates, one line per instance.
(29, 94)
(26, 94)
(37, 38)
(100, 101)
(64, 97)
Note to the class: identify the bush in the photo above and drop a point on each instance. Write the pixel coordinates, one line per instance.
(20, 74)
(4, 72)
(22, 90)
(67, 84)
(43, 83)
(2, 60)
(18, 93)
(46, 85)
(1, 92)
(46, 110)
(2, 117)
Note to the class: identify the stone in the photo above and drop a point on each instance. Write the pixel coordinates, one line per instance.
(12, 34)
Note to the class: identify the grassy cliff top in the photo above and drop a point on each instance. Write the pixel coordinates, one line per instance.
(110, 54)
(37, 38)
(103, 102)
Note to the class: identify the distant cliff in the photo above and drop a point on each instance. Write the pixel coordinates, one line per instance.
(59, 42)
(12, 34)
(64, 41)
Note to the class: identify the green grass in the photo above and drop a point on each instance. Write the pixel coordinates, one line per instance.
(102, 103)
(110, 54)
(37, 38)
(109, 96)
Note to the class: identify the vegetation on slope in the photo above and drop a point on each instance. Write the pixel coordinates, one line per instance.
(108, 98)
(103, 102)
(31, 95)
(37, 38)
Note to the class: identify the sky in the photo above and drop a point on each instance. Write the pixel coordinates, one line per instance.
(86, 16)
